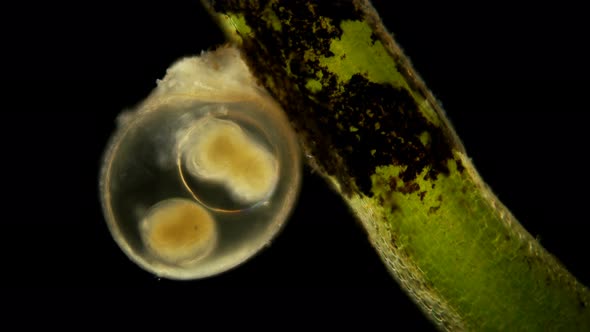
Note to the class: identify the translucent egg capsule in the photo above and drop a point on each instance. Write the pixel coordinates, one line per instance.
(203, 174)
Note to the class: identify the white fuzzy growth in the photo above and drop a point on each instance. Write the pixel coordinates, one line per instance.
(213, 73)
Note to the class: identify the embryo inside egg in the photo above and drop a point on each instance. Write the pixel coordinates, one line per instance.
(203, 174)
(179, 230)
(192, 189)
(228, 156)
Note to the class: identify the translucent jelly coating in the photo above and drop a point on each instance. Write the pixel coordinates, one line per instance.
(178, 230)
(221, 151)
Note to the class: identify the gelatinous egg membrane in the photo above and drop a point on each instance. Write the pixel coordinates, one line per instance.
(204, 173)
(192, 189)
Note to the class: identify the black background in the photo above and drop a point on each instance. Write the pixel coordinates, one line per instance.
(513, 81)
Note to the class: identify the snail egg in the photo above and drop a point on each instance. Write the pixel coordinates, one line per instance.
(203, 174)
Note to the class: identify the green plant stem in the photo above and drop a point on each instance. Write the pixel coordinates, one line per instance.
(370, 126)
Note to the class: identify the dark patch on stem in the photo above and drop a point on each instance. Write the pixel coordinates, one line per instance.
(422, 194)
(433, 209)
(351, 127)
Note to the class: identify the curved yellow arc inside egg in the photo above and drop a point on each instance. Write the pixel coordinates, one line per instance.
(223, 152)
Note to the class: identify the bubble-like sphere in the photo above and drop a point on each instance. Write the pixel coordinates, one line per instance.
(203, 174)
